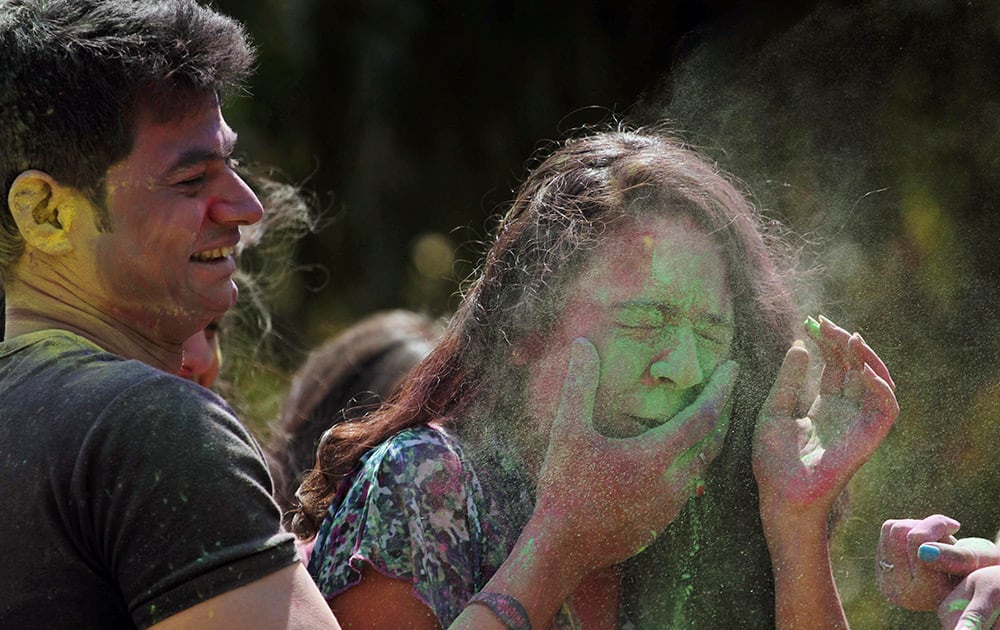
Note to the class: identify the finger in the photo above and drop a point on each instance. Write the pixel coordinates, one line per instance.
(894, 544)
(704, 452)
(833, 344)
(710, 447)
(833, 333)
(692, 423)
(891, 552)
(854, 384)
(892, 539)
(860, 348)
(950, 611)
(960, 559)
(934, 528)
(980, 612)
(876, 401)
(972, 618)
(829, 337)
(576, 403)
(879, 403)
(826, 348)
(783, 401)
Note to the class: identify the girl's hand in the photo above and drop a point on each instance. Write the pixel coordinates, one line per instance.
(613, 496)
(919, 562)
(802, 461)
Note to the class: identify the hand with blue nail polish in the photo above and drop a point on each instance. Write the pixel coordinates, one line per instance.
(920, 562)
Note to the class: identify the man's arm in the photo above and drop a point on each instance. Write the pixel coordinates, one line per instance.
(287, 598)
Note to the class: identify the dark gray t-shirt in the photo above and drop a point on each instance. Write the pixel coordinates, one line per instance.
(128, 494)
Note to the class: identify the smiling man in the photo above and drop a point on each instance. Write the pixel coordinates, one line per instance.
(136, 498)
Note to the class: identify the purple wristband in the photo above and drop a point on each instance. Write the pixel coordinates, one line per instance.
(505, 607)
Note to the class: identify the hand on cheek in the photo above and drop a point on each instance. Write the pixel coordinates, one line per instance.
(618, 494)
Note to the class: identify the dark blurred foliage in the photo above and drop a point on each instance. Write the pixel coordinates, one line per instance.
(411, 118)
(871, 129)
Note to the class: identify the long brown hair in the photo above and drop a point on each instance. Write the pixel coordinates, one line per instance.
(561, 211)
(343, 379)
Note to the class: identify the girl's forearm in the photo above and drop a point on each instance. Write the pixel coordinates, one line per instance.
(540, 573)
(805, 591)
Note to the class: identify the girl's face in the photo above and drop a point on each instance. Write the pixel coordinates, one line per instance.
(202, 356)
(654, 300)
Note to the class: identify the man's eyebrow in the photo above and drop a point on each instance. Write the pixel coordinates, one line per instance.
(197, 155)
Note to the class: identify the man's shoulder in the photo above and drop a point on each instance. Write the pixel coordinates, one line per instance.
(67, 362)
(61, 355)
(76, 386)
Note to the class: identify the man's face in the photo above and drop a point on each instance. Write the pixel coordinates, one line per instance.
(654, 301)
(174, 207)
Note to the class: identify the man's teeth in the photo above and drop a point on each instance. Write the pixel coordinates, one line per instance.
(214, 254)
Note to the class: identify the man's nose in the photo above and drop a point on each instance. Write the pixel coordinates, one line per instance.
(236, 203)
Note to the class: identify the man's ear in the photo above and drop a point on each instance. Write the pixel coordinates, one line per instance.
(44, 211)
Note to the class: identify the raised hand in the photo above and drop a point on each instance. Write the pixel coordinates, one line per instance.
(919, 562)
(802, 461)
(615, 495)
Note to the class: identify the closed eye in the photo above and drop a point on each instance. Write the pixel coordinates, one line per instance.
(192, 181)
(640, 318)
(196, 177)
(716, 334)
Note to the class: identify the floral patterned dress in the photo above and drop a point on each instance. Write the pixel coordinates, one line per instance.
(416, 510)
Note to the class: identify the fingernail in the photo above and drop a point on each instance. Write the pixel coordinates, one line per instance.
(928, 553)
(798, 343)
(811, 326)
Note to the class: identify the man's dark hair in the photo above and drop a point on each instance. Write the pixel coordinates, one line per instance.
(74, 74)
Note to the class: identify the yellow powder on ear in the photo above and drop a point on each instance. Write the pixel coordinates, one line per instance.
(48, 239)
(42, 213)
